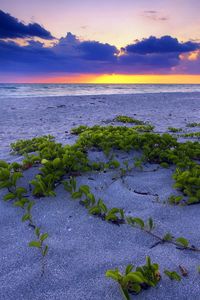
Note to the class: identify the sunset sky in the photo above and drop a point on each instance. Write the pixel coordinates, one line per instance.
(91, 41)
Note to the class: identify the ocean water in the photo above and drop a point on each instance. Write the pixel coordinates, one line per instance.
(42, 90)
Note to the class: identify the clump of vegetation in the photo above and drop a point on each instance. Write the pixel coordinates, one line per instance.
(126, 119)
(32, 145)
(95, 207)
(188, 181)
(175, 199)
(79, 129)
(173, 129)
(57, 162)
(9, 177)
(134, 281)
(191, 134)
(144, 128)
(173, 275)
(194, 124)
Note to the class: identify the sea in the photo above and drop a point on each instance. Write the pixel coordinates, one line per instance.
(50, 90)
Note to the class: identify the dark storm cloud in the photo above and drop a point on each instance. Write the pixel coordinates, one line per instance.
(165, 44)
(11, 27)
(97, 51)
(72, 55)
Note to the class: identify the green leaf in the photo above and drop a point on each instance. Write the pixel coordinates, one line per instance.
(44, 236)
(84, 189)
(148, 261)
(76, 195)
(102, 205)
(172, 275)
(72, 181)
(21, 202)
(35, 244)
(30, 205)
(111, 217)
(26, 217)
(139, 222)
(136, 288)
(150, 223)
(9, 196)
(91, 197)
(182, 241)
(44, 161)
(95, 210)
(3, 164)
(114, 274)
(168, 237)
(135, 277)
(129, 268)
(45, 250)
(114, 210)
(56, 162)
(37, 231)
(19, 191)
(15, 177)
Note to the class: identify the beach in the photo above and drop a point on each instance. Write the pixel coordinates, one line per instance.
(82, 247)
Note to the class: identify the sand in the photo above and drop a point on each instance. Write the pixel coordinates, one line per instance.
(82, 247)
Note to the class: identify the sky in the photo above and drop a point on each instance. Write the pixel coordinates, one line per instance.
(111, 41)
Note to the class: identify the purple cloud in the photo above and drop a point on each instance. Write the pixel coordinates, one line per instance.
(11, 27)
(165, 44)
(71, 55)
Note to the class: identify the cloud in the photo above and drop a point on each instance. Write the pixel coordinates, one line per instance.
(154, 15)
(72, 55)
(68, 55)
(11, 27)
(97, 51)
(165, 44)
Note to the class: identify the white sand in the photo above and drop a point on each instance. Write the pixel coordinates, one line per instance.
(83, 247)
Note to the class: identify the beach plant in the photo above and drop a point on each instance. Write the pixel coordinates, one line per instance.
(134, 280)
(40, 245)
(100, 209)
(71, 185)
(175, 199)
(173, 129)
(138, 163)
(191, 134)
(79, 129)
(144, 128)
(188, 181)
(173, 275)
(9, 176)
(57, 162)
(27, 215)
(181, 243)
(115, 215)
(43, 186)
(194, 124)
(126, 119)
(32, 145)
(30, 160)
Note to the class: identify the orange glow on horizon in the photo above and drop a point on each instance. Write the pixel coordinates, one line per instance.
(118, 79)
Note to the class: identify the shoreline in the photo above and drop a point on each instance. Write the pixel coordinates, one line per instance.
(101, 95)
